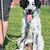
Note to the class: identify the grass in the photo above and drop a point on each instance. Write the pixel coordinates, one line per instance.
(14, 29)
(45, 19)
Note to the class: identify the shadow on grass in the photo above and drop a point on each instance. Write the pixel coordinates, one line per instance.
(5, 42)
(10, 36)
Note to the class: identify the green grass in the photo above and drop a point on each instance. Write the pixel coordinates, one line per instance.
(14, 28)
(45, 19)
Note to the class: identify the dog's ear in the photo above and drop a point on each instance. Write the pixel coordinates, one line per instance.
(38, 3)
(24, 3)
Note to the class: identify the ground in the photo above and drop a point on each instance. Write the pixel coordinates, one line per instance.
(14, 29)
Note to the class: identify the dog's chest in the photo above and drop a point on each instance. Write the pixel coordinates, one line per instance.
(29, 28)
(29, 37)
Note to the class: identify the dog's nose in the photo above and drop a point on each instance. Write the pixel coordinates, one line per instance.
(29, 10)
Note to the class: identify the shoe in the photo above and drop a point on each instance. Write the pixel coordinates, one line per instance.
(1, 47)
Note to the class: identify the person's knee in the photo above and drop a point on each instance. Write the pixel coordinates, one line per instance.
(6, 18)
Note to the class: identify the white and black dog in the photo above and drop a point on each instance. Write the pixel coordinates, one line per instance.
(31, 26)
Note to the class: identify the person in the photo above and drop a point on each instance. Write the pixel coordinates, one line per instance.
(4, 22)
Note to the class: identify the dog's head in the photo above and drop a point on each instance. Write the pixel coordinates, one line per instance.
(30, 5)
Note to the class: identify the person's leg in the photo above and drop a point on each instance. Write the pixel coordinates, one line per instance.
(5, 27)
(6, 10)
(4, 22)
(3, 31)
(1, 35)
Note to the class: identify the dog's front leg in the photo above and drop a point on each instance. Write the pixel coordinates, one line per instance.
(22, 38)
(22, 45)
(23, 29)
(40, 40)
(38, 43)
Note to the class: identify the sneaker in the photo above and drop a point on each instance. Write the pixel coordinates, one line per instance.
(1, 47)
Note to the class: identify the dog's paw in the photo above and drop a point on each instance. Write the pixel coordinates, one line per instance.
(18, 41)
(17, 49)
(28, 41)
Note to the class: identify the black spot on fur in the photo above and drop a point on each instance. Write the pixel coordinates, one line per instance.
(24, 3)
(38, 3)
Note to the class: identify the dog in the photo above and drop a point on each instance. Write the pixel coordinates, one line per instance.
(31, 38)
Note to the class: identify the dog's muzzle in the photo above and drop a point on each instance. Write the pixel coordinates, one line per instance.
(29, 15)
(29, 11)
